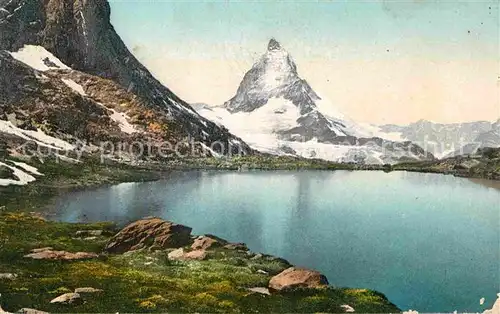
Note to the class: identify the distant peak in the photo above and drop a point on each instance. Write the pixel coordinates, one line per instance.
(273, 45)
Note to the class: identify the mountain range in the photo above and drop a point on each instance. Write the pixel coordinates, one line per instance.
(68, 78)
(446, 140)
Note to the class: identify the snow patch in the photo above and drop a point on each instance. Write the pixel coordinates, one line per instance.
(122, 120)
(214, 153)
(38, 136)
(24, 178)
(26, 167)
(74, 86)
(34, 57)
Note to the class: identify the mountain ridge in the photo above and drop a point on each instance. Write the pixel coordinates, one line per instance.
(81, 35)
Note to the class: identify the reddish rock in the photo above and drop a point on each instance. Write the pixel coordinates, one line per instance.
(149, 233)
(206, 242)
(196, 255)
(295, 277)
(181, 255)
(48, 253)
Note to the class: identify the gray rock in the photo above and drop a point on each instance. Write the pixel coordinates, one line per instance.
(31, 311)
(176, 254)
(347, 308)
(261, 290)
(89, 233)
(8, 276)
(68, 298)
(87, 290)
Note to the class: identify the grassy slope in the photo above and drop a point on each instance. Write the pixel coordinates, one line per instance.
(142, 281)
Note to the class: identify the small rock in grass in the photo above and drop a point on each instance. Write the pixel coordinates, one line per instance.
(347, 308)
(61, 255)
(87, 290)
(68, 298)
(261, 290)
(43, 249)
(263, 272)
(31, 311)
(181, 255)
(176, 254)
(257, 256)
(89, 233)
(8, 276)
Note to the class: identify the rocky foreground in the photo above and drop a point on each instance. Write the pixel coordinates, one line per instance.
(155, 265)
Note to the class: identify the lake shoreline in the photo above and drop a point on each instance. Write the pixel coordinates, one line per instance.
(24, 223)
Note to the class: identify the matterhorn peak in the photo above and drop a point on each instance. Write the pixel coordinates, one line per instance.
(273, 45)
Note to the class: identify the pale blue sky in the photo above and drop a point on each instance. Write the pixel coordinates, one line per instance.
(333, 32)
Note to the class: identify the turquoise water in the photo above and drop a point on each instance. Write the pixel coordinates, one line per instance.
(428, 242)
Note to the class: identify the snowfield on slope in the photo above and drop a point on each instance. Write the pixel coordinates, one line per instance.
(23, 173)
(38, 137)
(38, 58)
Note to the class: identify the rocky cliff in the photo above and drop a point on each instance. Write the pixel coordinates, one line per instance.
(80, 35)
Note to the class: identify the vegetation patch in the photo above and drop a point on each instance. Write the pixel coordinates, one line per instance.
(145, 281)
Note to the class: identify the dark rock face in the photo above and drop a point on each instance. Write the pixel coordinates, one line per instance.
(80, 34)
(149, 233)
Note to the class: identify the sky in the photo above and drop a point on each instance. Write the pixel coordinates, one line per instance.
(376, 61)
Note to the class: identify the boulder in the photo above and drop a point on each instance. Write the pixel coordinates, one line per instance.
(149, 233)
(206, 242)
(196, 255)
(176, 254)
(87, 290)
(49, 254)
(295, 277)
(182, 255)
(68, 298)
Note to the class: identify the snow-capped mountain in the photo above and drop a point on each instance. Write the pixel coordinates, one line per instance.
(276, 111)
(445, 140)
